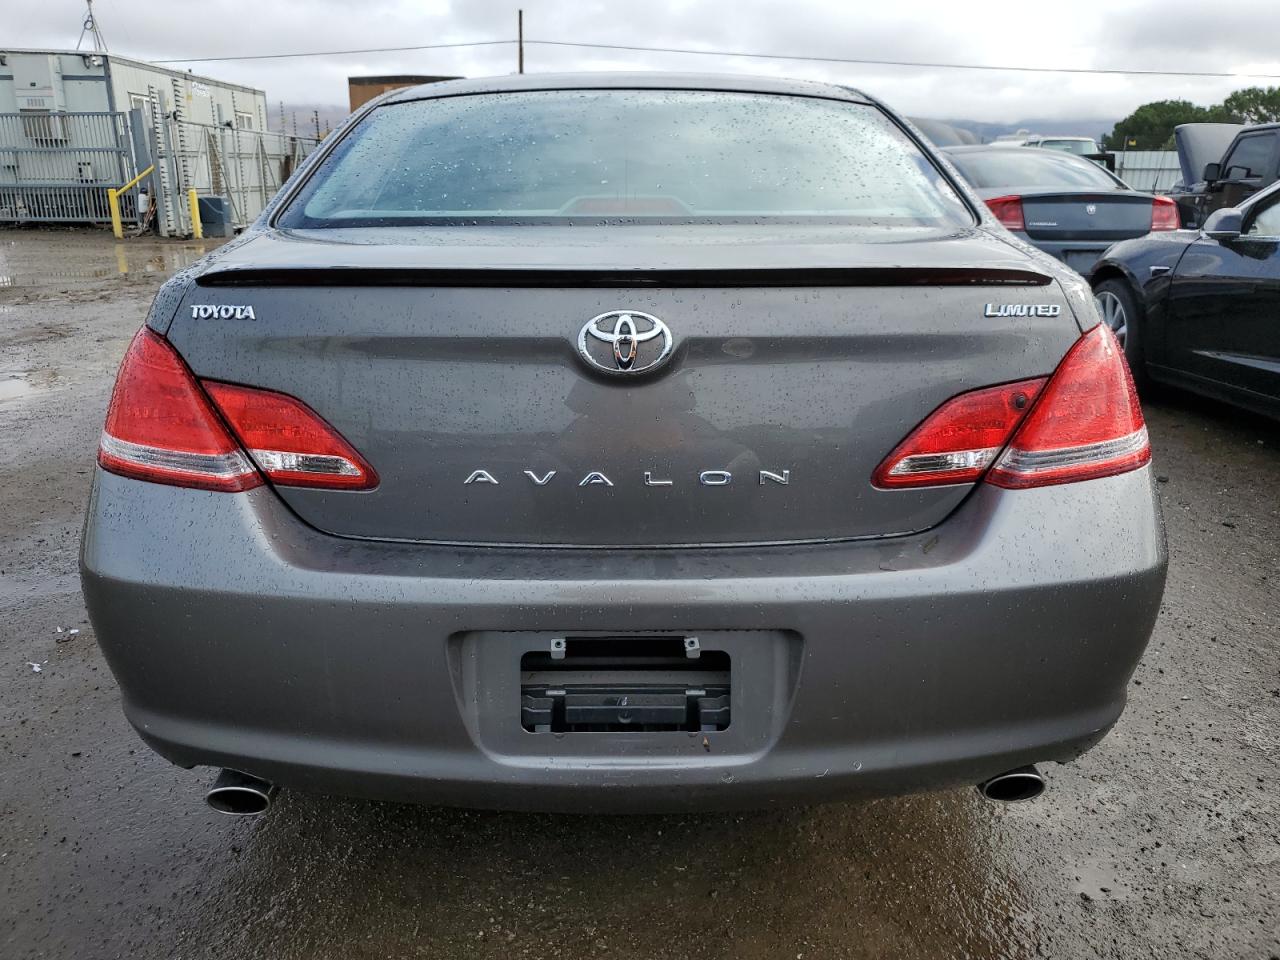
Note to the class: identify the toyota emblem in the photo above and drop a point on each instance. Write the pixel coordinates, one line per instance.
(624, 341)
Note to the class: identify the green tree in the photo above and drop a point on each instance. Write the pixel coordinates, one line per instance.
(1253, 105)
(1150, 127)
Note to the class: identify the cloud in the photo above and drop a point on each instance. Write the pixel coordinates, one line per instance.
(1198, 36)
(1171, 34)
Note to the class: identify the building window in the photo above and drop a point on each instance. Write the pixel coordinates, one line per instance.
(244, 121)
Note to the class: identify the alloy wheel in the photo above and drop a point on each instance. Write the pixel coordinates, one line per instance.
(1113, 314)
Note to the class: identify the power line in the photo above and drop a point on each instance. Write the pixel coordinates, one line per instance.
(635, 48)
(340, 53)
(898, 63)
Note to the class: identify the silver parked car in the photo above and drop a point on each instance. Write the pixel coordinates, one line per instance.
(623, 442)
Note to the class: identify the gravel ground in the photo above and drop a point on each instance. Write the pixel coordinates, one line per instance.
(1162, 842)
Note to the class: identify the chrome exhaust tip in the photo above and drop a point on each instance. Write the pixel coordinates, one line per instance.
(239, 795)
(1014, 786)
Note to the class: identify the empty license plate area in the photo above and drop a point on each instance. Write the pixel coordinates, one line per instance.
(1082, 261)
(624, 684)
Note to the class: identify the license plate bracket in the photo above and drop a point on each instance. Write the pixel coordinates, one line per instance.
(625, 684)
(491, 675)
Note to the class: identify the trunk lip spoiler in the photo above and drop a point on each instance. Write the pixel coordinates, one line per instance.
(878, 276)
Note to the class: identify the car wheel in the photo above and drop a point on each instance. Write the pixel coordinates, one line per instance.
(1119, 310)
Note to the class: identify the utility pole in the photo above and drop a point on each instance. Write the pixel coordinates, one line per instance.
(315, 116)
(520, 41)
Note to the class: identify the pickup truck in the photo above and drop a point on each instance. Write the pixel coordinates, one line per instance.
(1223, 164)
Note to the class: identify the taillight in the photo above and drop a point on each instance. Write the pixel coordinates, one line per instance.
(1086, 424)
(289, 441)
(1164, 214)
(1083, 422)
(960, 440)
(1008, 210)
(161, 427)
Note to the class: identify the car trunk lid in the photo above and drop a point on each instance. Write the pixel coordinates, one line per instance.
(454, 368)
(1102, 217)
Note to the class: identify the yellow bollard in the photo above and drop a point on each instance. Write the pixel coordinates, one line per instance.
(113, 204)
(113, 201)
(197, 228)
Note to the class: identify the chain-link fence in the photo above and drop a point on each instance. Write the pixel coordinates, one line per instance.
(246, 167)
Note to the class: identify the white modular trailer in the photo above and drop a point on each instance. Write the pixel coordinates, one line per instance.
(54, 81)
(73, 124)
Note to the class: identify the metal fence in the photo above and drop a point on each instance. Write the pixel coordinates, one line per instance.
(1153, 170)
(56, 167)
(246, 167)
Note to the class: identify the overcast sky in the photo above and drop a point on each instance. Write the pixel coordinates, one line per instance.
(1126, 34)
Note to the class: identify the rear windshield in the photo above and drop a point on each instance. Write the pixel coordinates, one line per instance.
(625, 156)
(1032, 168)
(1080, 147)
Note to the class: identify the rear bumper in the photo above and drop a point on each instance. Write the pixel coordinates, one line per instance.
(242, 638)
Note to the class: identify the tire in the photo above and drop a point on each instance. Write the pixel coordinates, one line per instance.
(1121, 311)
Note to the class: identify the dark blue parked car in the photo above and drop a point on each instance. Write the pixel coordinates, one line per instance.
(1069, 207)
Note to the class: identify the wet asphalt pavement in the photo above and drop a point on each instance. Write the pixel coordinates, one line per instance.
(1164, 841)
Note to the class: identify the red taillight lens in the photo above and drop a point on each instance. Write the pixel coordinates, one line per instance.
(1008, 210)
(958, 441)
(1086, 424)
(1164, 214)
(289, 441)
(160, 427)
(1083, 422)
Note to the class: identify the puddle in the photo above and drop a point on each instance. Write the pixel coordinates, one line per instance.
(28, 385)
(38, 258)
(15, 390)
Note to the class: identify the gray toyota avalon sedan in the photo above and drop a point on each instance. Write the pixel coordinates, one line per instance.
(623, 442)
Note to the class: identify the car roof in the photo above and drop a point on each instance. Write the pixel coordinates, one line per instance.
(1003, 151)
(653, 80)
(1057, 156)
